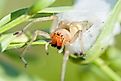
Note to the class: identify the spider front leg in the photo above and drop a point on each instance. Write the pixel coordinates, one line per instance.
(32, 21)
(40, 33)
(64, 63)
(79, 34)
(78, 28)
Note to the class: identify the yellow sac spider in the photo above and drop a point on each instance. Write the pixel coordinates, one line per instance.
(74, 31)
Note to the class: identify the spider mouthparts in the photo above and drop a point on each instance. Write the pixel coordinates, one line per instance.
(53, 45)
(58, 47)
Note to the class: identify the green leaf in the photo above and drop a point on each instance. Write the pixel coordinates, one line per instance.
(5, 40)
(14, 45)
(18, 13)
(13, 23)
(39, 5)
(20, 16)
(5, 20)
(17, 44)
(55, 9)
(20, 39)
(12, 16)
(13, 19)
(17, 41)
(39, 42)
(39, 15)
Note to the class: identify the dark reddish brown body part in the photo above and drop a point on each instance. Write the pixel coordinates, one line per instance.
(57, 40)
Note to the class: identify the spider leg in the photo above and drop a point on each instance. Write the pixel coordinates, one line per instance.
(80, 28)
(54, 23)
(79, 34)
(76, 35)
(46, 47)
(65, 59)
(61, 50)
(81, 42)
(37, 32)
(32, 21)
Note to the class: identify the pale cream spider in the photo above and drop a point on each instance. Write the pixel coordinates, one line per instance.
(61, 37)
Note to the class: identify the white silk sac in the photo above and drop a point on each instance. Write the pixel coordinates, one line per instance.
(94, 11)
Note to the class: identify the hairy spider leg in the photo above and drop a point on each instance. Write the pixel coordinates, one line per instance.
(37, 33)
(78, 34)
(41, 33)
(64, 63)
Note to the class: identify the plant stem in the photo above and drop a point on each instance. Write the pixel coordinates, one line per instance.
(107, 70)
(15, 22)
(19, 45)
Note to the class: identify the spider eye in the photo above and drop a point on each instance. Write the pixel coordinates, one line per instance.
(58, 34)
(61, 35)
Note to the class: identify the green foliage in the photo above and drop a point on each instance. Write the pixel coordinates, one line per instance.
(6, 40)
(19, 16)
(16, 41)
(39, 5)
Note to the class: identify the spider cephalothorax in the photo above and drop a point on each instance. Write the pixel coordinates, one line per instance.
(59, 38)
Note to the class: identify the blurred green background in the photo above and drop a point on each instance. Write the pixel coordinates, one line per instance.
(44, 67)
